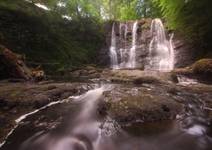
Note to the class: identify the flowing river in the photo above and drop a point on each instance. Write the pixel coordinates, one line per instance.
(80, 123)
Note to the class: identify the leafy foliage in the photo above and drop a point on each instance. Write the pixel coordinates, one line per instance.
(191, 17)
(48, 39)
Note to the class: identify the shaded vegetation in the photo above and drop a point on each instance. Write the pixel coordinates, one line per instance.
(46, 38)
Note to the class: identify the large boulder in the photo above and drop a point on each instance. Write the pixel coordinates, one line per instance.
(144, 104)
(203, 67)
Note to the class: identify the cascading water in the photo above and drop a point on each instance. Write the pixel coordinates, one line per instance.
(127, 55)
(123, 50)
(171, 52)
(113, 52)
(83, 133)
(132, 54)
(161, 50)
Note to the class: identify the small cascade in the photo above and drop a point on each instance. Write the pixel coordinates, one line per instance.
(113, 52)
(123, 56)
(132, 54)
(172, 61)
(123, 50)
(83, 133)
(161, 50)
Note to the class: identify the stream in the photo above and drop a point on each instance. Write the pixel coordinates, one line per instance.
(76, 124)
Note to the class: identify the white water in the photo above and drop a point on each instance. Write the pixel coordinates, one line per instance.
(196, 130)
(127, 55)
(123, 28)
(21, 118)
(186, 81)
(85, 131)
(132, 54)
(85, 124)
(161, 50)
(113, 52)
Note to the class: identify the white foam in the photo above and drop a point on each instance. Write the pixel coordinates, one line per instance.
(196, 130)
(186, 81)
(33, 112)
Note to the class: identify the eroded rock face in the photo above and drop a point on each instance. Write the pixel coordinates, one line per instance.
(185, 53)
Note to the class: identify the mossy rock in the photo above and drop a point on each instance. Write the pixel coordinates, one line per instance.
(146, 107)
(203, 67)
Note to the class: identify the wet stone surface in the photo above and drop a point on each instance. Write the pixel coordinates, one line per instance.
(135, 112)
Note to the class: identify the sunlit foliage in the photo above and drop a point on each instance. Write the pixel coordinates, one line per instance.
(191, 17)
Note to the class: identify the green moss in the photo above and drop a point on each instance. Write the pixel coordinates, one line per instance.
(203, 66)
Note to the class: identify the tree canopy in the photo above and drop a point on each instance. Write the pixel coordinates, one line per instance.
(102, 9)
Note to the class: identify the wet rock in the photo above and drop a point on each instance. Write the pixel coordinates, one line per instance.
(3, 103)
(165, 108)
(139, 76)
(88, 72)
(174, 78)
(40, 100)
(128, 105)
(51, 87)
(2, 120)
(18, 98)
(147, 79)
(185, 52)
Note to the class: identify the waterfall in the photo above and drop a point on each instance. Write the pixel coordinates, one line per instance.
(172, 61)
(127, 55)
(161, 50)
(132, 53)
(123, 50)
(113, 52)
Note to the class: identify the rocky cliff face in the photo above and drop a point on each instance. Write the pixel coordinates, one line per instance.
(184, 55)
